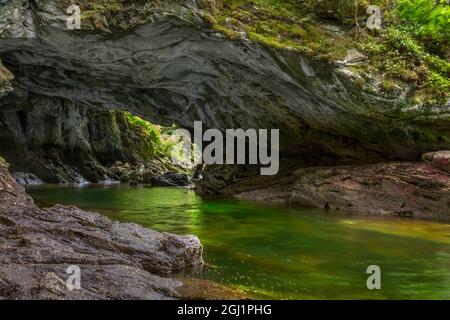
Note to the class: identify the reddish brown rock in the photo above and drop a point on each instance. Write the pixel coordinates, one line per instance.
(413, 189)
(439, 159)
(402, 188)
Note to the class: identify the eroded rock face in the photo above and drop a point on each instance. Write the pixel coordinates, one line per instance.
(439, 159)
(63, 142)
(5, 80)
(400, 188)
(161, 60)
(26, 178)
(117, 261)
(414, 189)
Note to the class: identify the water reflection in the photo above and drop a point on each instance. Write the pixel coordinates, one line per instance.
(276, 252)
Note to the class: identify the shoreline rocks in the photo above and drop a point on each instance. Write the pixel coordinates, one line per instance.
(170, 179)
(418, 189)
(26, 178)
(397, 188)
(117, 260)
(438, 159)
(161, 172)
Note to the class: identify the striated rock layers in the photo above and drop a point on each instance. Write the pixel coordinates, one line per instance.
(117, 260)
(60, 141)
(163, 61)
(419, 189)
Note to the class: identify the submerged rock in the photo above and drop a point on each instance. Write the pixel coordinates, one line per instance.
(116, 260)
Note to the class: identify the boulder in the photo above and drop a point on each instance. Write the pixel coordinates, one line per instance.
(116, 260)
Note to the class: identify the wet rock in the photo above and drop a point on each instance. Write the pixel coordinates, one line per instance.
(24, 178)
(439, 159)
(353, 58)
(245, 181)
(401, 188)
(109, 182)
(411, 189)
(116, 260)
(122, 171)
(171, 179)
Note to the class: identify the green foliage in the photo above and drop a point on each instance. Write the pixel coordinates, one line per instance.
(412, 49)
(439, 82)
(156, 137)
(403, 56)
(280, 24)
(430, 21)
(342, 10)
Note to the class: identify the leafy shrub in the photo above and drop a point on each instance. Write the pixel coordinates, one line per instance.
(157, 138)
(431, 21)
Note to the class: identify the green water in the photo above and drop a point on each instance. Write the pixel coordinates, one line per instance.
(281, 253)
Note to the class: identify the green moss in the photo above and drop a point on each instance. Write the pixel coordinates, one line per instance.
(2, 162)
(234, 35)
(399, 55)
(90, 9)
(280, 24)
(156, 140)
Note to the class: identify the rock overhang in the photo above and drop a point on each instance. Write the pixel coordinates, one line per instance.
(171, 69)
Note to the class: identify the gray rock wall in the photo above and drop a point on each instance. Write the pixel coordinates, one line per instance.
(116, 260)
(163, 62)
(60, 141)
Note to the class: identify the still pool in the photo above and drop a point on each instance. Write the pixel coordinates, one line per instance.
(283, 253)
